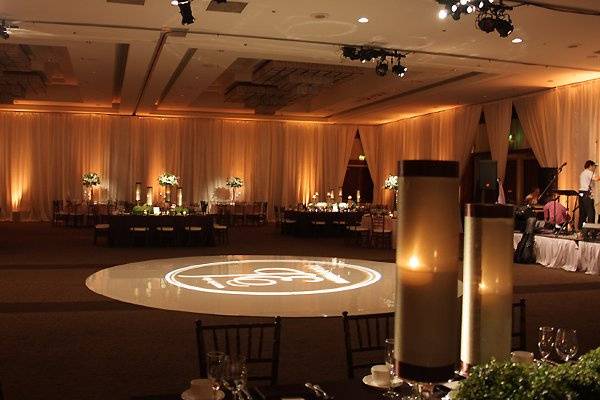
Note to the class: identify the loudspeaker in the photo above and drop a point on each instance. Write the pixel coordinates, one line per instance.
(545, 175)
(487, 175)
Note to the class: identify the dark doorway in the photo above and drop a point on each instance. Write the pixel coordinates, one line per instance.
(358, 176)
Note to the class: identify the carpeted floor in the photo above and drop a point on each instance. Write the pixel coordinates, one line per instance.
(61, 341)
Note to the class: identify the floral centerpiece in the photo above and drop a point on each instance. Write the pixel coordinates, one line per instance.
(391, 182)
(167, 179)
(143, 209)
(234, 183)
(90, 179)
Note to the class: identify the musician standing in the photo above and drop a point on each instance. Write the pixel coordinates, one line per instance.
(587, 213)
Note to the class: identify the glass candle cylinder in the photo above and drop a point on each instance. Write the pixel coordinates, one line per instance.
(488, 284)
(179, 197)
(426, 323)
(168, 194)
(358, 196)
(149, 195)
(138, 192)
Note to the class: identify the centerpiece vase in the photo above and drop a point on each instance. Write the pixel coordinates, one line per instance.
(168, 194)
(233, 195)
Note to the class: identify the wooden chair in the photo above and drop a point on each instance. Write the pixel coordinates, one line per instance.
(519, 327)
(140, 232)
(381, 235)
(357, 233)
(239, 214)
(59, 216)
(364, 338)
(221, 233)
(259, 343)
(100, 230)
(166, 235)
(288, 224)
(194, 234)
(277, 216)
(252, 213)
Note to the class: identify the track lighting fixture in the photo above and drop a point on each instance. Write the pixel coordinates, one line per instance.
(185, 9)
(366, 54)
(4, 33)
(492, 15)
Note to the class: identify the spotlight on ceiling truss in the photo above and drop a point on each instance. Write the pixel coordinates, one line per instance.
(185, 9)
(4, 30)
(379, 55)
(492, 15)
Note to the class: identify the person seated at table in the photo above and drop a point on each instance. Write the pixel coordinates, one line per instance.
(532, 198)
(555, 213)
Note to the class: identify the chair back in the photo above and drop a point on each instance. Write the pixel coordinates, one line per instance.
(378, 223)
(203, 206)
(364, 338)
(259, 343)
(519, 328)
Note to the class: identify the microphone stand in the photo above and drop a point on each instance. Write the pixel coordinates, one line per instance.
(558, 171)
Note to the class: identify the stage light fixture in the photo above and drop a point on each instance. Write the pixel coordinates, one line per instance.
(399, 70)
(185, 9)
(491, 16)
(504, 27)
(4, 32)
(486, 24)
(382, 67)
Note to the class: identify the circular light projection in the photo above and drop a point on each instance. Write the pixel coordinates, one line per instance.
(273, 277)
(517, 40)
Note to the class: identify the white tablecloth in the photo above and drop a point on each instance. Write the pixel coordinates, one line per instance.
(566, 254)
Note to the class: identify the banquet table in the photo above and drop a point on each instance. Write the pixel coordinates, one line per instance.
(119, 234)
(305, 221)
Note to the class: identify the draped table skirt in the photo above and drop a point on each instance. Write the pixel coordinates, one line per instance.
(567, 254)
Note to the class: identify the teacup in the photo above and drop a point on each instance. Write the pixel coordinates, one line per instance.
(381, 375)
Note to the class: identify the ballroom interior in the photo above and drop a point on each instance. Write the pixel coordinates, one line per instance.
(284, 200)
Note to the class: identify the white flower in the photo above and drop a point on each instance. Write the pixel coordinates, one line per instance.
(90, 179)
(391, 182)
(234, 182)
(167, 179)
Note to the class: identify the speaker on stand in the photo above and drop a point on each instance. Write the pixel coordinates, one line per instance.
(486, 181)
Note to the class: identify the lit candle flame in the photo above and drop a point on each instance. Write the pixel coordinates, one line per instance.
(413, 262)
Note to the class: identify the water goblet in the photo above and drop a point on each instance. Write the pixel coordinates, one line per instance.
(546, 338)
(236, 375)
(566, 344)
(390, 361)
(215, 368)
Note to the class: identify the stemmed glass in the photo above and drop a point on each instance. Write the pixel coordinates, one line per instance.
(546, 337)
(215, 366)
(566, 344)
(390, 361)
(236, 375)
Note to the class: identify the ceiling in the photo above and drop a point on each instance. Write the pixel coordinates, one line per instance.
(109, 57)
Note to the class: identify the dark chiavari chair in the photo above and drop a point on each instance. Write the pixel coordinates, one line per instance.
(259, 343)
(519, 327)
(364, 338)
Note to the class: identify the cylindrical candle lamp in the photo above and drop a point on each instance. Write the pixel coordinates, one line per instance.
(488, 284)
(138, 192)
(358, 196)
(426, 326)
(149, 195)
(179, 197)
(168, 194)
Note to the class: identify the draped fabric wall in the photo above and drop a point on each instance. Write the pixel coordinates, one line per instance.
(446, 135)
(44, 156)
(498, 117)
(563, 125)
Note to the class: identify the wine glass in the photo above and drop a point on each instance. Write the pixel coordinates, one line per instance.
(566, 344)
(215, 368)
(546, 338)
(390, 361)
(236, 375)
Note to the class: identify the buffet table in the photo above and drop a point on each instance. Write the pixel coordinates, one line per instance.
(119, 233)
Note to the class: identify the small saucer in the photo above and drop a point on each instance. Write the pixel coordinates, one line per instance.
(187, 395)
(368, 380)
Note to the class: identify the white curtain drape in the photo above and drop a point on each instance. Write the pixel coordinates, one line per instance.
(43, 157)
(498, 117)
(563, 125)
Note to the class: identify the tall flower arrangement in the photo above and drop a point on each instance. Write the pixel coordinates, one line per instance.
(234, 182)
(89, 180)
(391, 183)
(168, 180)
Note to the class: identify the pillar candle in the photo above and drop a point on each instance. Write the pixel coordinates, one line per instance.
(358, 196)
(149, 195)
(168, 194)
(179, 197)
(426, 317)
(488, 284)
(138, 192)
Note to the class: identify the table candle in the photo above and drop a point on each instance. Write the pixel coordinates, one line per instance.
(149, 195)
(138, 192)
(358, 196)
(168, 194)
(179, 197)
(488, 284)
(426, 318)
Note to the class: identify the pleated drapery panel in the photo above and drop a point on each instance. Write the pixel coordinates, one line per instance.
(498, 117)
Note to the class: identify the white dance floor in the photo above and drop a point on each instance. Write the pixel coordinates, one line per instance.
(263, 286)
(564, 253)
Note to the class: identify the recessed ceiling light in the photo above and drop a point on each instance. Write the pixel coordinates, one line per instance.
(363, 20)
(517, 40)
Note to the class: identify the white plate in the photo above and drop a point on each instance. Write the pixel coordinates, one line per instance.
(368, 380)
(187, 395)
